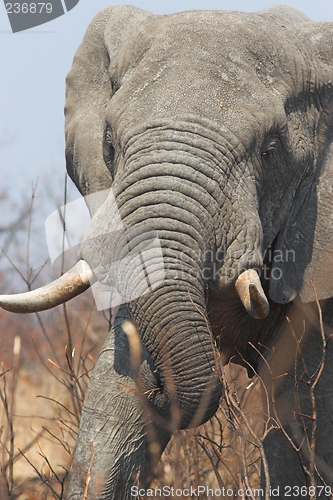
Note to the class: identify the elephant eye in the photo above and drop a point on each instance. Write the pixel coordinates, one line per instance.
(270, 148)
(108, 151)
(268, 155)
(108, 135)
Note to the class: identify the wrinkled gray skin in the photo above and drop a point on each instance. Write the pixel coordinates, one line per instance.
(214, 129)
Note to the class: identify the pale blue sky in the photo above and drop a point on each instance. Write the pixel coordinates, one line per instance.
(33, 67)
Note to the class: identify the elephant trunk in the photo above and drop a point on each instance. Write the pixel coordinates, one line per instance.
(177, 194)
(182, 386)
(112, 452)
(176, 333)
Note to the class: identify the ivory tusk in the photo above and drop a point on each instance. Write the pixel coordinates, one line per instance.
(72, 283)
(249, 289)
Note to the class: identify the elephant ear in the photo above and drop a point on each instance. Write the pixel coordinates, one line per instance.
(319, 271)
(304, 249)
(88, 91)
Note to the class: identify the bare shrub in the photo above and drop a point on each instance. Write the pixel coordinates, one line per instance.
(43, 383)
(52, 354)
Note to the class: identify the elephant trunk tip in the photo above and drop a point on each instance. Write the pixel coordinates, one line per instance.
(250, 292)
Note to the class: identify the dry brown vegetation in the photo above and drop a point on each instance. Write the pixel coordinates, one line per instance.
(46, 360)
(42, 384)
(223, 453)
(41, 401)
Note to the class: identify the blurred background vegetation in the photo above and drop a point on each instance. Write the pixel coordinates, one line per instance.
(46, 361)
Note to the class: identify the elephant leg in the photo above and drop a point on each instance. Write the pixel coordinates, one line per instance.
(300, 451)
(112, 450)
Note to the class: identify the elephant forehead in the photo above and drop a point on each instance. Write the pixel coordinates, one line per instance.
(203, 62)
(215, 46)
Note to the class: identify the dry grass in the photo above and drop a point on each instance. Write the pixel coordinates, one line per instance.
(39, 429)
(43, 378)
(212, 455)
(41, 399)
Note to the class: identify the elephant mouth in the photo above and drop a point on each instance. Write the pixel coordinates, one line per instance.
(80, 278)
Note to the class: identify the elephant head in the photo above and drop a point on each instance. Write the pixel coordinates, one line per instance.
(213, 131)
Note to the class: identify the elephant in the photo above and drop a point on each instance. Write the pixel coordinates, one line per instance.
(210, 132)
